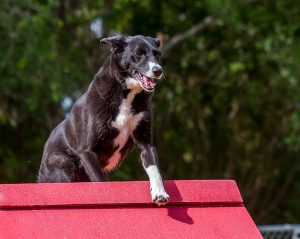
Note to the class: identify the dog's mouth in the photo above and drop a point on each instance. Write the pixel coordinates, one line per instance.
(147, 83)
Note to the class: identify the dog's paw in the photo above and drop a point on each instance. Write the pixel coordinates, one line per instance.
(160, 197)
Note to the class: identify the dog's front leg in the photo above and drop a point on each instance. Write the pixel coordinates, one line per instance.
(150, 164)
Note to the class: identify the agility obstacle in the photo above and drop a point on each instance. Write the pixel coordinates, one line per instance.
(211, 209)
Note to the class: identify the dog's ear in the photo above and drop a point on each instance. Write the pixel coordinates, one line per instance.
(154, 41)
(117, 43)
(157, 42)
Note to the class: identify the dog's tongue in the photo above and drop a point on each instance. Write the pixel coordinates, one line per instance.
(149, 82)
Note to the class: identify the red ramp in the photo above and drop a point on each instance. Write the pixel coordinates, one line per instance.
(198, 209)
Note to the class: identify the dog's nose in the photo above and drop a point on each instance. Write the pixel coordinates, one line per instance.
(157, 71)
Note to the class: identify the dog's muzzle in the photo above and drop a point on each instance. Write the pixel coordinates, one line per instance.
(147, 83)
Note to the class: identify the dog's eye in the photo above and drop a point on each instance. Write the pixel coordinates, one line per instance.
(157, 55)
(140, 54)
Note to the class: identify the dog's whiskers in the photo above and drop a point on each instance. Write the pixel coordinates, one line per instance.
(126, 71)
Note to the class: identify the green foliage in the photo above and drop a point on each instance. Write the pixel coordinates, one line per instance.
(227, 108)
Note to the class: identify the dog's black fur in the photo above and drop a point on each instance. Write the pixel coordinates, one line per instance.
(109, 119)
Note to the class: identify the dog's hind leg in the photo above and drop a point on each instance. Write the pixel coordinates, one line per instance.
(91, 165)
(56, 168)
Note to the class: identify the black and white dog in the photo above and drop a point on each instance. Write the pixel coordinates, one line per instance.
(109, 119)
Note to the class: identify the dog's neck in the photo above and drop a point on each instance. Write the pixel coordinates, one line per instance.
(117, 72)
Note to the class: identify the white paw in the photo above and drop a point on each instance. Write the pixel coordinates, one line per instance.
(159, 196)
(158, 193)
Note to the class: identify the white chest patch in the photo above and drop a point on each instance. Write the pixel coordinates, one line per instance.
(125, 122)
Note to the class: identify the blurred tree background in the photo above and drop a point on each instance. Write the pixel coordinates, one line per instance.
(229, 107)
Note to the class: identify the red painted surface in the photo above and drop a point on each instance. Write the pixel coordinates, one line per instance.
(198, 209)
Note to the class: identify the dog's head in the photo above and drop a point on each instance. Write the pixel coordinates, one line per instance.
(139, 57)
